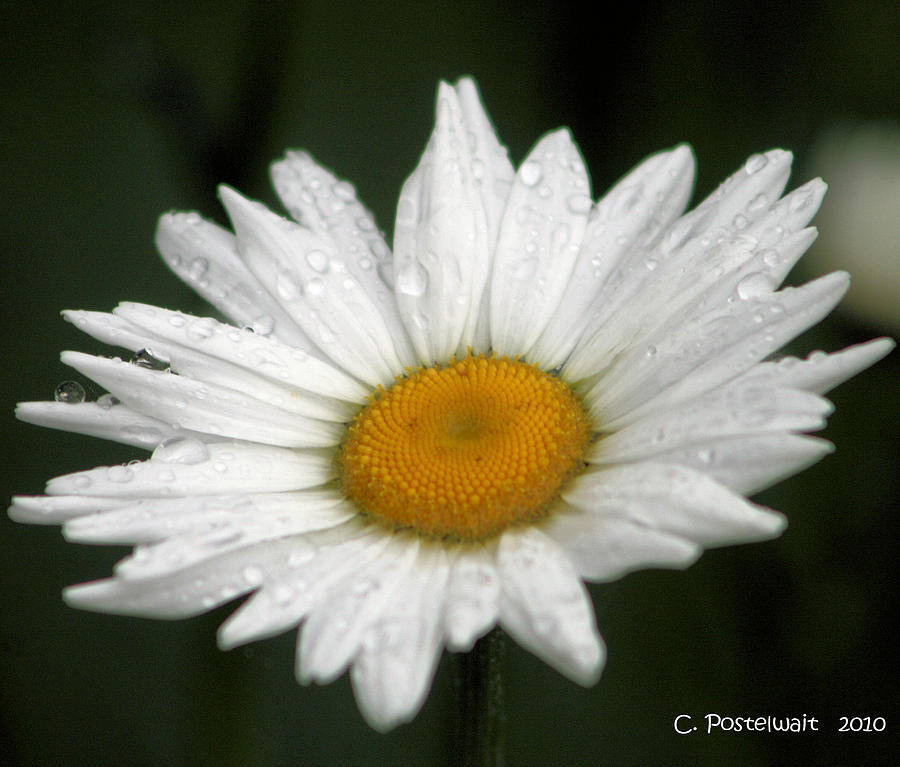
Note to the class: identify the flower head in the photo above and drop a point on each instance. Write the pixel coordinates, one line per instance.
(398, 450)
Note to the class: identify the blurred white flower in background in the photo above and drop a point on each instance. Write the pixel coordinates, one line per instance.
(860, 218)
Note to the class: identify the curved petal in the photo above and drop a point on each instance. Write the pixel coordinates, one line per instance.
(334, 631)
(328, 206)
(493, 174)
(115, 422)
(545, 606)
(630, 218)
(820, 372)
(673, 499)
(310, 281)
(709, 351)
(203, 406)
(739, 409)
(538, 244)
(441, 246)
(399, 652)
(224, 468)
(302, 585)
(207, 350)
(154, 519)
(606, 547)
(473, 594)
(205, 256)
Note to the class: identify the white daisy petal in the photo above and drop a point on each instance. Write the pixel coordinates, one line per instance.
(605, 547)
(224, 468)
(473, 593)
(628, 220)
(54, 510)
(155, 519)
(205, 349)
(303, 584)
(441, 247)
(205, 256)
(321, 202)
(203, 406)
(711, 350)
(308, 278)
(538, 243)
(225, 533)
(399, 652)
(493, 173)
(740, 408)
(673, 499)
(750, 463)
(334, 631)
(705, 256)
(545, 607)
(820, 372)
(115, 422)
(181, 591)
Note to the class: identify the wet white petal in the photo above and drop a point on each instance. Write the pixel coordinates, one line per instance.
(53, 510)
(205, 256)
(473, 593)
(545, 607)
(820, 372)
(750, 463)
(227, 467)
(182, 590)
(305, 582)
(155, 519)
(328, 206)
(334, 631)
(303, 271)
(441, 246)
(115, 422)
(605, 547)
(204, 406)
(399, 652)
(626, 222)
(540, 236)
(741, 408)
(710, 350)
(673, 499)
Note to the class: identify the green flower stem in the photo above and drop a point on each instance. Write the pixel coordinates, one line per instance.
(479, 731)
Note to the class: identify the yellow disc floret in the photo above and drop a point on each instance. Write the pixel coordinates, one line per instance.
(465, 450)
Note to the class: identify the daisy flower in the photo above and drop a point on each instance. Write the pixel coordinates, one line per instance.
(397, 450)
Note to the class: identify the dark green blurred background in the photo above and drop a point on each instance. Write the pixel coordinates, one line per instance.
(113, 112)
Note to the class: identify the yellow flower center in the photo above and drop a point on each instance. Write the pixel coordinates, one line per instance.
(465, 450)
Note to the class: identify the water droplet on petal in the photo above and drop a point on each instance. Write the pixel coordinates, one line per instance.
(201, 329)
(263, 325)
(70, 392)
(119, 474)
(198, 268)
(317, 260)
(252, 575)
(106, 401)
(181, 450)
(753, 286)
(315, 287)
(755, 164)
(530, 173)
(287, 287)
(149, 360)
(412, 279)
